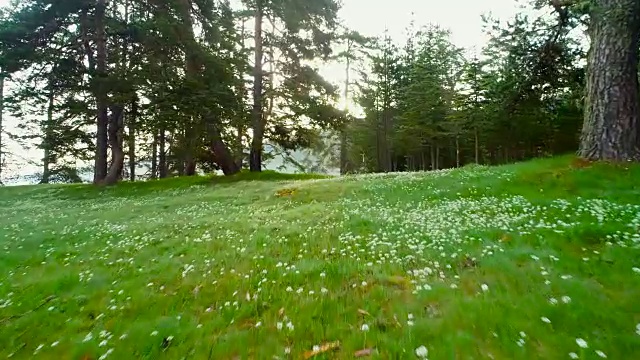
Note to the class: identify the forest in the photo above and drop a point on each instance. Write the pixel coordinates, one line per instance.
(192, 86)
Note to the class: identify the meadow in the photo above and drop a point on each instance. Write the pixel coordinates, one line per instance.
(538, 260)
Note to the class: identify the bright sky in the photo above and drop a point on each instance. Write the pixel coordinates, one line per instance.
(371, 17)
(462, 17)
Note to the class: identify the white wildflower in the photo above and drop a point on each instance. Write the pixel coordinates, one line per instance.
(582, 343)
(422, 352)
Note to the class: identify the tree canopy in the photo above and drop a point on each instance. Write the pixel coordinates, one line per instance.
(176, 88)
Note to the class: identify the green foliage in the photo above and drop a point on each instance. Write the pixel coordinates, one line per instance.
(428, 107)
(183, 112)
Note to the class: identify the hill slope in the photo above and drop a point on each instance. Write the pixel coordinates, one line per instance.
(522, 261)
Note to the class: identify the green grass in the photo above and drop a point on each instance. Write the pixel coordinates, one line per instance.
(511, 262)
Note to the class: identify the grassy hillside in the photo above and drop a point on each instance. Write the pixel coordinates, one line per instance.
(527, 261)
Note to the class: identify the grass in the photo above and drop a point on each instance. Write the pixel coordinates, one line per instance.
(526, 261)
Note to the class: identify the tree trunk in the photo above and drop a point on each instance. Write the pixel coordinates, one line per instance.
(221, 154)
(344, 150)
(610, 130)
(1, 124)
(255, 155)
(457, 152)
(240, 146)
(154, 156)
(433, 157)
(241, 90)
(133, 117)
(162, 156)
(178, 155)
(46, 141)
(100, 93)
(189, 149)
(477, 146)
(115, 140)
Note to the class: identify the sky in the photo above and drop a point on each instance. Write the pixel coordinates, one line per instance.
(462, 17)
(372, 17)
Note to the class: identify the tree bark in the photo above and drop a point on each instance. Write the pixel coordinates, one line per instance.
(240, 146)
(46, 142)
(221, 154)
(241, 90)
(100, 92)
(610, 130)
(189, 156)
(154, 156)
(433, 156)
(258, 125)
(344, 150)
(162, 156)
(457, 152)
(115, 140)
(1, 124)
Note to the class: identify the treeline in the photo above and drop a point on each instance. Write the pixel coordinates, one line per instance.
(429, 105)
(535, 91)
(179, 85)
(201, 85)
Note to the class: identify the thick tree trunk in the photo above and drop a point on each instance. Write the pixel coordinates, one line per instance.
(255, 154)
(116, 141)
(610, 130)
(100, 92)
(221, 154)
